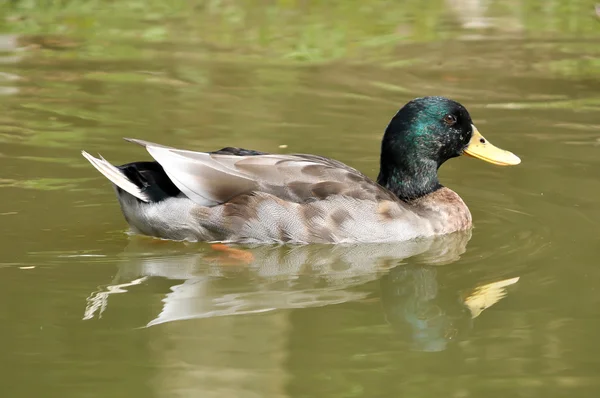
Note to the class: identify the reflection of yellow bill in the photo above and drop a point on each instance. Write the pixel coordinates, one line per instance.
(485, 296)
(482, 149)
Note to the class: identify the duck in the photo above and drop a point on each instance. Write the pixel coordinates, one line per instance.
(245, 196)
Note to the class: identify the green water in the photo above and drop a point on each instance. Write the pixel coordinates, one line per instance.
(88, 310)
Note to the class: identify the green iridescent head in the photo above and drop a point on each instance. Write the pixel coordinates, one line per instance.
(424, 134)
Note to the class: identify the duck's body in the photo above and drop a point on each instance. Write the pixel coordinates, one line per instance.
(239, 195)
(278, 198)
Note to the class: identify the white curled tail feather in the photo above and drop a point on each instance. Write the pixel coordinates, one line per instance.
(116, 176)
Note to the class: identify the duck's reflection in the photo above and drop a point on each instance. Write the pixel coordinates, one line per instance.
(418, 305)
(278, 277)
(211, 284)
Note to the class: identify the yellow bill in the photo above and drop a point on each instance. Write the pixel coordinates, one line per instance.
(481, 148)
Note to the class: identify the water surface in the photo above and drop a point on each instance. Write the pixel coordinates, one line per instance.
(509, 309)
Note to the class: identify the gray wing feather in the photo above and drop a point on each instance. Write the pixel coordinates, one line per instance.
(210, 179)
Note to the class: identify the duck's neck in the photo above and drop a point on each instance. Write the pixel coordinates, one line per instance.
(407, 178)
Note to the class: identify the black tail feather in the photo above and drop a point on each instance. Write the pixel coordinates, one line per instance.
(151, 178)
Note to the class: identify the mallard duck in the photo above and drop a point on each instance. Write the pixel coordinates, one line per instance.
(246, 196)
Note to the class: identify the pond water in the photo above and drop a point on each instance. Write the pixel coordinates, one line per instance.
(510, 309)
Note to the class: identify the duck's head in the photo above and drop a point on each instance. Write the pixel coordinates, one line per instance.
(422, 136)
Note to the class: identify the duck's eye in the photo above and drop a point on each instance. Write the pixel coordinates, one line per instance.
(450, 119)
